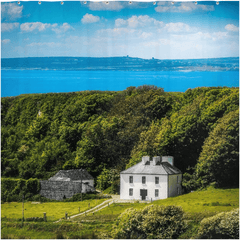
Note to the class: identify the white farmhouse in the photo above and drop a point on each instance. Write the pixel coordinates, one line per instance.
(151, 179)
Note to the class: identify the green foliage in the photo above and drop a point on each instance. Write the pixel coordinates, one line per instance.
(219, 159)
(223, 225)
(43, 133)
(152, 222)
(108, 178)
(185, 128)
(13, 189)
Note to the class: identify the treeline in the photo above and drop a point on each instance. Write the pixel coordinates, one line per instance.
(43, 133)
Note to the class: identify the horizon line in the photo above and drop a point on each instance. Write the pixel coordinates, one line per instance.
(153, 58)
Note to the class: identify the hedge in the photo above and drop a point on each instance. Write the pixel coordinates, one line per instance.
(13, 189)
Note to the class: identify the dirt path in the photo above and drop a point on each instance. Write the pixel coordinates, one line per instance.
(115, 199)
(92, 210)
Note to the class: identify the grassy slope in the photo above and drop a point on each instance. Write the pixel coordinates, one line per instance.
(197, 205)
(211, 200)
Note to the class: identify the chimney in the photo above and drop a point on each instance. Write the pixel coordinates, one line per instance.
(156, 160)
(168, 159)
(145, 159)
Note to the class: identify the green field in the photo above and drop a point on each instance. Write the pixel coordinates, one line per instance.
(197, 205)
(54, 210)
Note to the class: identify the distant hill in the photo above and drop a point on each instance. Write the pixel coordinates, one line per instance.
(120, 63)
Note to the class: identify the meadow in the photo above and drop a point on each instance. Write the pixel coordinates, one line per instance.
(196, 205)
(54, 210)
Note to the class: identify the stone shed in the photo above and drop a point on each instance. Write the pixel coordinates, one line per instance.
(66, 183)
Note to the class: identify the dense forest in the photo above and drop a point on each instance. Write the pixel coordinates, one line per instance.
(105, 132)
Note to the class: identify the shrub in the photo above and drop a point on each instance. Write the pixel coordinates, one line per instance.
(152, 222)
(222, 225)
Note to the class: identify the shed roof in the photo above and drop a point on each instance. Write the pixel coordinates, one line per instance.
(163, 168)
(73, 175)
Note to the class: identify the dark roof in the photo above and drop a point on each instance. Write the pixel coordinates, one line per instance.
(73, 174)
(163, 168)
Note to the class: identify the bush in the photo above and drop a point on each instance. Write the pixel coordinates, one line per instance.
(152, 222)
(222, 225)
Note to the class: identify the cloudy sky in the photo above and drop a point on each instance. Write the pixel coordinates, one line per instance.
(182, 30)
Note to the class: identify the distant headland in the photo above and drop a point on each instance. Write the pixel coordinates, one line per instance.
(120, 64)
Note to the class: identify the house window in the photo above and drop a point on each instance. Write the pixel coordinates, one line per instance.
(130, 192)
(143, 180)
(178, 190)
(130, 179)
(156, 192)
(156, 180)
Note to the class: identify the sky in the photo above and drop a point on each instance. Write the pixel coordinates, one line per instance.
(182, 30)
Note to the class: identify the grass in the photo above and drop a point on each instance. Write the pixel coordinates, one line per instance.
(109, 213)
(197, 205)
(54, 210)
(210, 200)
(61, 230)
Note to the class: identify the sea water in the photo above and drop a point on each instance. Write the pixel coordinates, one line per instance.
(16, 82)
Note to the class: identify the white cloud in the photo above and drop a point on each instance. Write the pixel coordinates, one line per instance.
(31, 26)
(102, 6)
(232, 28)
(219, 35)
(158, 43)
(48, 44)
(116, 31)
(182, 7)
(7, 27)
(89, 18)
(11, 11)
(200, 36)
(6, 41)
(145, 35)
(178, 27)
(138, 21)
(62, 29)
(120, 22)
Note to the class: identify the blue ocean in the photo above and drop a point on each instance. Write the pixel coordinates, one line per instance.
(16, 82)
(72, 74)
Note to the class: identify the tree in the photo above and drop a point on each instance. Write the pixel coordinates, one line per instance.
(219, 159)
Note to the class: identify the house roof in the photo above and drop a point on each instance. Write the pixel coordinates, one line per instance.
(71, 175)
(163, 168)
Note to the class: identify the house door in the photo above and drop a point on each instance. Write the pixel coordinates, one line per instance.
(143, 193)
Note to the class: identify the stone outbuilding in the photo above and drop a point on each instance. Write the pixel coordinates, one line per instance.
(151, 179)
(66, 183)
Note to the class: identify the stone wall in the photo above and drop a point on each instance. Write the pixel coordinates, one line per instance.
(61, 189)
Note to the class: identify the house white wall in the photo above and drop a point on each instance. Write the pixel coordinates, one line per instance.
(137, 185)
(174, 185)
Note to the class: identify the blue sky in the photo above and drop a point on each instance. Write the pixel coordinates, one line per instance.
(183, 30)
